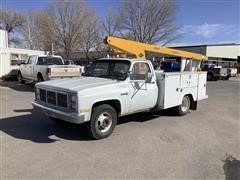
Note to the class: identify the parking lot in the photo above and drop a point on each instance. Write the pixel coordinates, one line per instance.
(145, 145)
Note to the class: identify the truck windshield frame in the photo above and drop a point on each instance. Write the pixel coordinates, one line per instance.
(110, 69)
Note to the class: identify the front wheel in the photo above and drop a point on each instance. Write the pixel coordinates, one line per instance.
(103, 121)
(184, 107)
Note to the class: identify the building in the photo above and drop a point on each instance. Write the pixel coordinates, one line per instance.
(219, 54)
(11, 57)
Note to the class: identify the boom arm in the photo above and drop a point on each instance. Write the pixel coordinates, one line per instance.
(138, 50)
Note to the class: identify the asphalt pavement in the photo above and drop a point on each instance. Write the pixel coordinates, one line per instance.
(204, 144)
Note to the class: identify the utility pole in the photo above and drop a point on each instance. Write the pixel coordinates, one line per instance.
(52, 50)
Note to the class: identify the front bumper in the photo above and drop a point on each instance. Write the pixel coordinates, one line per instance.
(69, 117)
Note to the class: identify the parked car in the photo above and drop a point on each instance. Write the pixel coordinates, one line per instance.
(225, 73)
(117, 87)
(42, 67)
(213, 72)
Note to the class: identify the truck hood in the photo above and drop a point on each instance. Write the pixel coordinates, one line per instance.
(77, 84)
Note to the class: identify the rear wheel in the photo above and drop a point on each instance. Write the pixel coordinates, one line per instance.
(103, 121)
(20, 78)
(227, 78)
(184, 107)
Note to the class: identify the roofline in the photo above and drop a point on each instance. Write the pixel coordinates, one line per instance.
(226, 44)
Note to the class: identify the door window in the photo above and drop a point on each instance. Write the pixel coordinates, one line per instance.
(140, 71)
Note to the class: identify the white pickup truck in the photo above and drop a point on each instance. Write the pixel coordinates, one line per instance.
(116, 87)
(43, 67)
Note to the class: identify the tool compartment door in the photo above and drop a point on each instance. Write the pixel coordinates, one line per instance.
(189, 80)
(202, 83)
(172, 90)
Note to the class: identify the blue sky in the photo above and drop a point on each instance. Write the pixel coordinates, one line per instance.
(200, 21)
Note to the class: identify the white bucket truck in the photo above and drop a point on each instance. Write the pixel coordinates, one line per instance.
(114, 87)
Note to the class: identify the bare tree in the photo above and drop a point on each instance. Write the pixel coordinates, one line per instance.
(149, 21)
(111, 23)
(68, 17)
(30, 32)
(91, 33)
(10, 20)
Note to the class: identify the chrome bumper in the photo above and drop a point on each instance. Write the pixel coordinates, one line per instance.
(69, 117)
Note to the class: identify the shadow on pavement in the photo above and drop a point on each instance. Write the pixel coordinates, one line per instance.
(38, 128)
(147, 116)
(27, 87)
(231, 168)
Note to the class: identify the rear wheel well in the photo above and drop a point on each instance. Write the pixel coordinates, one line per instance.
(193, 104)
(114, 103)
(39, 74)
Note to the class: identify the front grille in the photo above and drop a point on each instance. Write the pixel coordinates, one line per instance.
(62, 100)
(51, 97)
(55, 99)
(43, 95)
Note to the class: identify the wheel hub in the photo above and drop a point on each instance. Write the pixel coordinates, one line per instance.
(104, 122)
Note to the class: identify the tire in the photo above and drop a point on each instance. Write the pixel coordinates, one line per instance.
(20, 78)
(103, 121)
(40, 78)
(227, 78)
(210, 76)
(216, 79)
(183, 109)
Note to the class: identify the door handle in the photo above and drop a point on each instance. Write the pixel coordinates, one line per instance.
(124, 94)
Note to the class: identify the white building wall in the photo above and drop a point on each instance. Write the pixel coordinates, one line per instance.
(3, 39)
(224, 51)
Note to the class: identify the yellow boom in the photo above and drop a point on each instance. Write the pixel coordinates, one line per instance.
(138, 50)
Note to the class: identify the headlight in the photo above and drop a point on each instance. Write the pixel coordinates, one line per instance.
(73, 101)
(73, 106)
(73, 98)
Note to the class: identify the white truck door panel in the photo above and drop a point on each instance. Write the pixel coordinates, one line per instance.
(32, 67)
(142, 96)
(189, 80)
(29, 67)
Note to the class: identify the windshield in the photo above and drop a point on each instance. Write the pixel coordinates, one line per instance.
(49, 61)
(112, 69)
